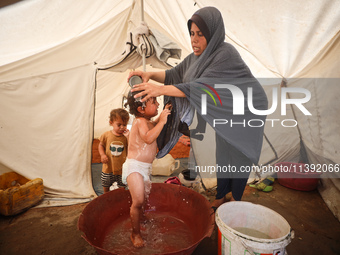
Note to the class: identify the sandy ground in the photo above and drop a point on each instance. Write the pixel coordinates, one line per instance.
(54, 230)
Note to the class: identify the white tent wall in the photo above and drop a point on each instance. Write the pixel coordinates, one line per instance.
(99, 36)
(46, 129)
(320, 133)
(34, 26)
(64, 39)
(284, 36)
(280, 143)
(56, 81)
(106, 82)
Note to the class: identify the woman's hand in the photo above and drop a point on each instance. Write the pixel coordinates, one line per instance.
(148, 89)
(145, 75)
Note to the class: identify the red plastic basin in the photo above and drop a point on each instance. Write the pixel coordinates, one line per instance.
(186, 205)
(294, 176)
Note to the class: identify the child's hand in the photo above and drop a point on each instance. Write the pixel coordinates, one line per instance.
(104, 159)
(163, 117)
(126, 133)
(168, 106)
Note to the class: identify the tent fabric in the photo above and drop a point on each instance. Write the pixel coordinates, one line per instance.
(164, 47)
(55, 96)
(42, 138)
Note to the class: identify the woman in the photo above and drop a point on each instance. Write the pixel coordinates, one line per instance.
(214, 62)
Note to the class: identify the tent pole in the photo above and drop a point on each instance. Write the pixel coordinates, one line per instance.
(142, 15)
(142, 9)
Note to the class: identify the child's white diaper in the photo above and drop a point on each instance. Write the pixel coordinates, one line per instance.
(134, 166)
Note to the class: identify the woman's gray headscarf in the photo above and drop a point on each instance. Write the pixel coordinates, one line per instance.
(212, 18)
(220, 63)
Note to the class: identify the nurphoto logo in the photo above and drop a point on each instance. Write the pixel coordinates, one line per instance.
(239, 104)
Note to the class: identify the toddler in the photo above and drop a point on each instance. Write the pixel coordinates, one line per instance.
(113, 149)
(141, 153)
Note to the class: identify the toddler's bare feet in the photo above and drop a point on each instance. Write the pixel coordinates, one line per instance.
(137, 240)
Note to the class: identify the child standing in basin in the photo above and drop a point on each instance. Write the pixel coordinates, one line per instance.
(142, 150)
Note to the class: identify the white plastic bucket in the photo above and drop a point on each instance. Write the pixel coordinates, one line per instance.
(250, 220)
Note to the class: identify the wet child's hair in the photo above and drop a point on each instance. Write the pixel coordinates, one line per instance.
(119, 113)
(133, 104)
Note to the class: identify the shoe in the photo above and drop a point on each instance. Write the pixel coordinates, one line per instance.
(264, 185)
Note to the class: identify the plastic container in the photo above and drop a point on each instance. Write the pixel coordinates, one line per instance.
(165, 166)
(189, 178)
(247, 228)
(293, 175)
(135, 79)
(17, 193)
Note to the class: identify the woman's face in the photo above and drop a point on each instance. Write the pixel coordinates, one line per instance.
(198, 41)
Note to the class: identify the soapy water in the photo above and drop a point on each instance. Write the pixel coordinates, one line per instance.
(162, 233)
(252, 232)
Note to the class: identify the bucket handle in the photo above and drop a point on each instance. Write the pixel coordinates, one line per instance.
(290, 235)
(245, 245)
(177, 164)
